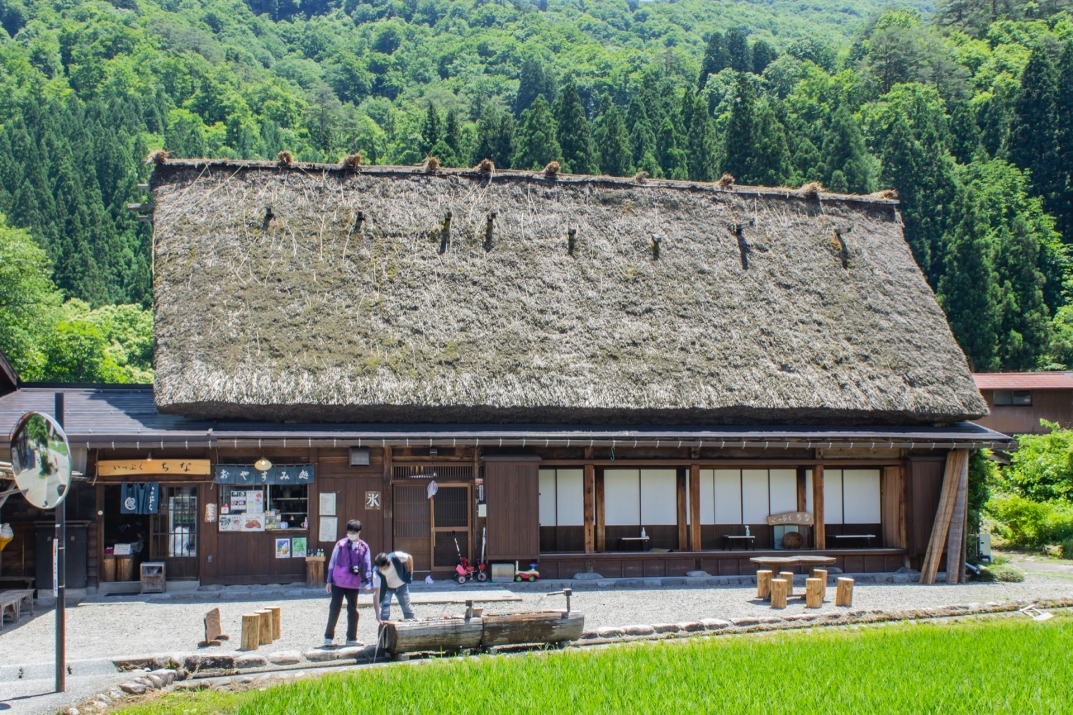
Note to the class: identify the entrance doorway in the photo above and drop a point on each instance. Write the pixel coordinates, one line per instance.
(426, 528)
(173, 532)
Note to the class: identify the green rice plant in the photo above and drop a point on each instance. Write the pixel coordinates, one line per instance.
(928, 668)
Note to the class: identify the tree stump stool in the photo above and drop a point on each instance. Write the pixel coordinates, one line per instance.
(788, 576)
(265, 633)
(820, 574)
(844, 592)
(779, 589)
(814, 591)
(251, 631)
(277, 626)
(763, 584)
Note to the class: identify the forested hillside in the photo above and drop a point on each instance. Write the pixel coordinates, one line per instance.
(966, 111)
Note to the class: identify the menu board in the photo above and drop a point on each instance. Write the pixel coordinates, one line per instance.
(245, 511)
(242, 522)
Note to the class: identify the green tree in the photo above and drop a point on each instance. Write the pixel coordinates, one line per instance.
(716, 58)
(672, 159)
(536, 137)
(741, 58)
(1034, 132)
(1063, 207)
(763, 55)
(27, 300)
(495, 137)
(740, 131)
(431, 129)
(533, 81)
(967, 291)
(703, 158)
(844, 151)
(770, 163)
(612, 140)
(575, 132)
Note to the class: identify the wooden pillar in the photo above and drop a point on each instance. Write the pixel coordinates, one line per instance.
(763, 584)
(682, 517)
(802, 489)
(694, 508)
(956, 461)
(814, 589)
(385, 504)
(955, 540)
(601, 534)
(778, 593)
(844, 592)
(590, 511)
(820, 526)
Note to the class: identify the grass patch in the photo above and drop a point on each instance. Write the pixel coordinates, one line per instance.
(993, 666)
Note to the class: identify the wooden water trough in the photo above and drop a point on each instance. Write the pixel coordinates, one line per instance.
(491, 630)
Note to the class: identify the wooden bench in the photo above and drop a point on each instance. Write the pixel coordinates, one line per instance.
(867, 538)
(11, 601)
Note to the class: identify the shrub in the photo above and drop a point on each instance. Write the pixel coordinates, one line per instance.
(1067, 549)
(1031, 524)
(1006, 573)
(1042, 466)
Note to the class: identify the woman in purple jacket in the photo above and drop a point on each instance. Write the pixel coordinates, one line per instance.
(349, 568)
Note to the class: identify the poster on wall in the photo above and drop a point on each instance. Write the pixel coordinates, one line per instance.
(298, 547)
(329, 527)
(327, 503)
(283, 548)
(251, 522)
(255, 502)
(238, 500)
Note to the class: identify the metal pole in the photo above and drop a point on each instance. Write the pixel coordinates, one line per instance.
(60, 577)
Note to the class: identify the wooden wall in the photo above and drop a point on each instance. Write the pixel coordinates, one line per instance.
(1050, 405)
(925, 482)
(512, 491)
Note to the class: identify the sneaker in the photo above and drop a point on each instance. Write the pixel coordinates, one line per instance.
(327, 642)
(354, 643)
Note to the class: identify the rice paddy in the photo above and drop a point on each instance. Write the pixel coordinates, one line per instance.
(1007, 665)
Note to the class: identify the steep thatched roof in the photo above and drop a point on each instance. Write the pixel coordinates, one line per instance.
(316, 293)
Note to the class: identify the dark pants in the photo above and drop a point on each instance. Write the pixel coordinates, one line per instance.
(351, 595)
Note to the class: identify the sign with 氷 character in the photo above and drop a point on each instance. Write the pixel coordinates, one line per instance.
(134, 467)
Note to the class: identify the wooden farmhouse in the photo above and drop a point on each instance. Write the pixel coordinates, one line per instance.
(1019, 401)
(584, 373)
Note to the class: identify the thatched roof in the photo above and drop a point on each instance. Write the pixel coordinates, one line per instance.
(324, 294)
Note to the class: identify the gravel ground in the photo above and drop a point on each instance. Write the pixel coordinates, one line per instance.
(139, 628)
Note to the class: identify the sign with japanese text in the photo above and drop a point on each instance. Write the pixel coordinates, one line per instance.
(136, 467)
(246, 474)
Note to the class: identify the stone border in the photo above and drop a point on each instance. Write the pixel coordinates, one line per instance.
(233, 673)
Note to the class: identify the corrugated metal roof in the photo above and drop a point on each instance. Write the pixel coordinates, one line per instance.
(1023, 380)
(126, 416)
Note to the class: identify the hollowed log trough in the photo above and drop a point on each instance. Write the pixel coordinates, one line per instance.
(491, 630)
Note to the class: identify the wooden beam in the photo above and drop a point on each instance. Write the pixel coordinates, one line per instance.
(955, 540)
(892, 507)
(820, 525)
(601, 534)
(694, 507)
(802, 488)
(590, 511)
(682, 516)
(943, 514)
(386, 502)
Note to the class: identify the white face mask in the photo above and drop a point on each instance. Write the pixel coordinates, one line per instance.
(353, 537)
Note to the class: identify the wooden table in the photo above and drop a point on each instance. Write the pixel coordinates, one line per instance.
(12, 601)
(747, 541)
(643, 539)
(774, 562)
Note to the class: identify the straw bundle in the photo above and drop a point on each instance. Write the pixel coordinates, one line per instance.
(307, 321)
(725, 181)
(552, 169)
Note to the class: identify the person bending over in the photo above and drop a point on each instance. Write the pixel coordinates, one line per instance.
(396, 573)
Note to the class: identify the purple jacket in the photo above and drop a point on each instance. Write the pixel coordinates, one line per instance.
(344, 556)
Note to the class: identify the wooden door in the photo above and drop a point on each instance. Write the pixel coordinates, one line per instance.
(413, 524)
(451, 522)
(512, 491)
(173, 532)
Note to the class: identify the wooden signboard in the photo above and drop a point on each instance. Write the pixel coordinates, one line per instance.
(790, 517)
(140, 467)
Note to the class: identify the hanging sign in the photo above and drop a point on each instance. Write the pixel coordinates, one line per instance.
(133, 467)
(279, 474)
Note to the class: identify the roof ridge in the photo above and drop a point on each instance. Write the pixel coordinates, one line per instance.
(807, 191)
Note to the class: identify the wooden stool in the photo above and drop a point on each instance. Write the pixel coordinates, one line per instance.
(779, 589)
(814, 591)
(266, 629)
(315, 571)
(820, 574)
(789, 577)
(844, 592)
(251, 631)
(277, 627)
(763, 584)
